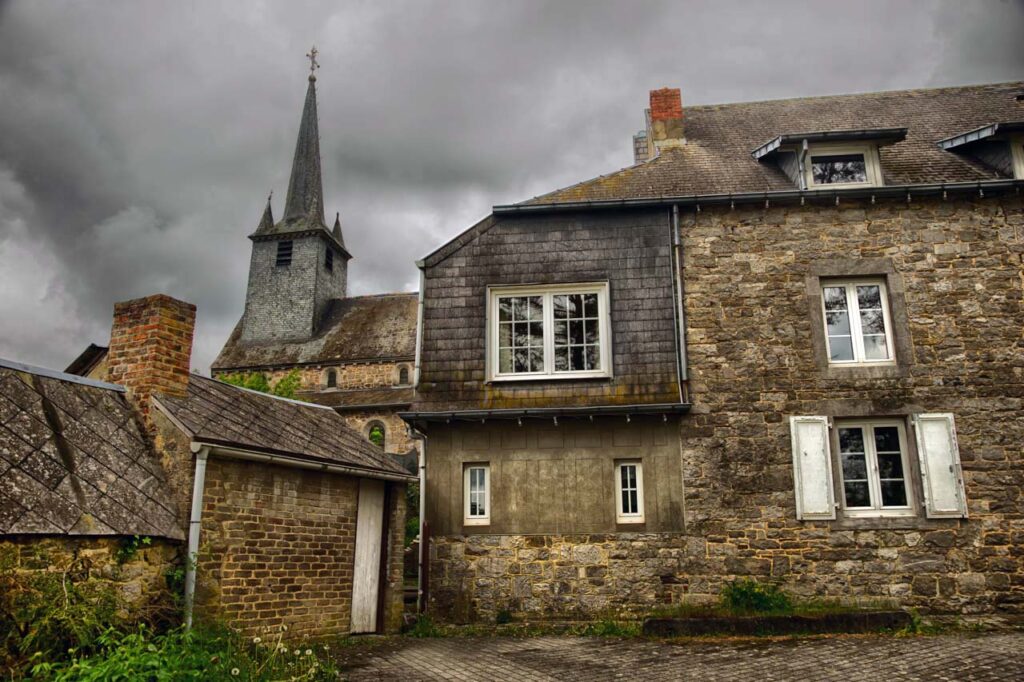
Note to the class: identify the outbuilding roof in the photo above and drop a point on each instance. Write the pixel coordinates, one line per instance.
(358, 329)
(215, 413)
(716, 158)
(73, 460)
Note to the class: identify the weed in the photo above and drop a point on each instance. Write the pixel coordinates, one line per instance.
(424, 627)
(749, 596)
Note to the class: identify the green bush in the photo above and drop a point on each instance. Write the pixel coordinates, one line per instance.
(749, 596)
(211, 653)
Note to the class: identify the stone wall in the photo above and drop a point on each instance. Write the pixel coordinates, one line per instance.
(350, 376)
(278, 547)
(138, 578)
(955, 270)
(396, 433)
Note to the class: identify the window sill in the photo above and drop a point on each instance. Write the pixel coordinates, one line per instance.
(890, 370)
(549, 377)
(476, 523)
(890, 523)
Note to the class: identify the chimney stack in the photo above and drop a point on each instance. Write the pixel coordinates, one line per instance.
(667, 118)
(151, 348)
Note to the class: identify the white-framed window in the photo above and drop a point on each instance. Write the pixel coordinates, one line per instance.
(1017, 152)
(842, 165)
(874, 468)
(858, 328)
(871, 476)
(555, 331)
(629, 492)
(477, 494)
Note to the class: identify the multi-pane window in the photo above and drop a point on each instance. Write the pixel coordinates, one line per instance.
(577, 332)
(857, 325)
(329, 259)
(873, 462)
(629, 492)
(284, 253)
(556, 331)
(520, 334)
(833, 169)
(477, 493)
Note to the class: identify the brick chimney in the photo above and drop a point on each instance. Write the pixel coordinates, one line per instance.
(667, 118)
(151, 347)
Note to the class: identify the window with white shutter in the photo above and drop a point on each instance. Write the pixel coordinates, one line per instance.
(812, 468)
(941, 476)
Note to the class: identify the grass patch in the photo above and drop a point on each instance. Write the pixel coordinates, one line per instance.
(212, 652)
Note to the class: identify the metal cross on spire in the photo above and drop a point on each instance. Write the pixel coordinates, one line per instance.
(313, 63)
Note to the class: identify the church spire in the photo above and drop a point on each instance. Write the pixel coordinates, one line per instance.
(305, 199)
(267, 221)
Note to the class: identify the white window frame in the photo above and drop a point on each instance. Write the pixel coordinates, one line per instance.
(871, 462)
(547, 293)
(1017, 152)
(481, 519)
(853, 312)
(622, 516)
(872, 165)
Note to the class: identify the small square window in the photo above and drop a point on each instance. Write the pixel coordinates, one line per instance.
(284, 254)
(836, 166)
(477, 495)
(858, 329)
(629, 492)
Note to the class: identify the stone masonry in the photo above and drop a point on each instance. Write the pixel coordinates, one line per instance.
(751, 338)
(277, 548)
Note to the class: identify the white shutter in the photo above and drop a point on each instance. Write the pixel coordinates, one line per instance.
(812, 468)
(941, 476)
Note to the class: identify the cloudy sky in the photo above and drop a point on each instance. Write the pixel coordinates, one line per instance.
(139, 140)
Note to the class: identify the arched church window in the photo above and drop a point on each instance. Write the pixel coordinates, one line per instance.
(332, 379)
(376, 433)
(403, 375)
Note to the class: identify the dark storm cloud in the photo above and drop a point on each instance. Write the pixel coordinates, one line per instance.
(138, 140)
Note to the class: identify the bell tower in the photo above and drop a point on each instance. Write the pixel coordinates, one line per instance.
(298, 264)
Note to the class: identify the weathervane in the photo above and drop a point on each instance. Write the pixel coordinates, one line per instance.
(313, 64)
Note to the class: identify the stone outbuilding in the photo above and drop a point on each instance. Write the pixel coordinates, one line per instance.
(293, 518)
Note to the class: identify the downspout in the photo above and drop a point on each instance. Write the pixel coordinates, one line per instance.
(677, 252)
(419, 324)
(195, 521)
(420, 606)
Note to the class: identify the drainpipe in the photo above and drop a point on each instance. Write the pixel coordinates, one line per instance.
(198, 483)
(677, 251)
(801, 164)
(420, 606)
(419, 325)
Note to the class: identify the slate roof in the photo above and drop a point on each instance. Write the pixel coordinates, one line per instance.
(363, 397)
(717, 156)
(217, 413)
(74, 461)
(361, 328)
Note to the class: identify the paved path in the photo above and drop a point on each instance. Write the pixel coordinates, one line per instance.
(847, 659)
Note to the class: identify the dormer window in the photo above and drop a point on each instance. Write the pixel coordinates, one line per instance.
(834, 159)
(999, 147)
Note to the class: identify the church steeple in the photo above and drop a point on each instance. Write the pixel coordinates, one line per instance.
(305, 199)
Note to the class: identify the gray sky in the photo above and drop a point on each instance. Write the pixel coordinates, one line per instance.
(139, 140)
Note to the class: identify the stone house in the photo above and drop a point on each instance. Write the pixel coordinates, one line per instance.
(293, 518)
(353, 353)
(786, 344)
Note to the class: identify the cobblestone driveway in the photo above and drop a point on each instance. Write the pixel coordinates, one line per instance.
(849, 659)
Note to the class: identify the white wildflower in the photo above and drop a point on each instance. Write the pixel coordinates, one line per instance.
(235, 671)
(256, 640)
(309, 652)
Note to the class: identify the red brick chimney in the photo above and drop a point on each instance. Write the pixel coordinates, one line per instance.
(667, 118)
(150, 348)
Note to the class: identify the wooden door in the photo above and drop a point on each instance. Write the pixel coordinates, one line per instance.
(366, 575)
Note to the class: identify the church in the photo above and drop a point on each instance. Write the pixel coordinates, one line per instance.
(353, 353)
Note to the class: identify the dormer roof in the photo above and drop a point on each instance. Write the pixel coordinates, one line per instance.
(879, 136)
